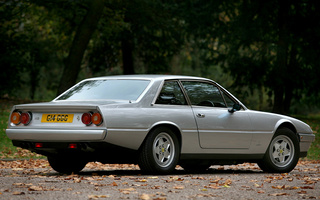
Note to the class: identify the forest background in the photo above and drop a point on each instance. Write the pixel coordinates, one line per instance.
(265, 52)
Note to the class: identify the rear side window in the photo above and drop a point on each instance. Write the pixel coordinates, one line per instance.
(171, 94)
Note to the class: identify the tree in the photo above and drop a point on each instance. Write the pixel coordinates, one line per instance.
(80, 43)
(264, 45)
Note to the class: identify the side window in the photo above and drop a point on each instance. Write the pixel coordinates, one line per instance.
(203, 94)
(171, 94)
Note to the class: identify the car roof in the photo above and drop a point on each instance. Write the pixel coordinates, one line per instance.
(150, 77)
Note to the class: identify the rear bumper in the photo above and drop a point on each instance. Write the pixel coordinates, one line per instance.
(56, 134)
(305, 143)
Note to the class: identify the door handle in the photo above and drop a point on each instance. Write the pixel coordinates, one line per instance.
(201, 115)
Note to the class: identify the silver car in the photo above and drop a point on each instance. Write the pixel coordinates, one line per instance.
(157, 122)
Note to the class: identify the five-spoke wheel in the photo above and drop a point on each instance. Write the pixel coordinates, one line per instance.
(163, 149)
(160, 151)
(283, 152)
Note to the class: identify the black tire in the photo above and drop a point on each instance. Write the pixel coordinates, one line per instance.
(195, 168)
(282, 154)
(160, 151)
(66, 165)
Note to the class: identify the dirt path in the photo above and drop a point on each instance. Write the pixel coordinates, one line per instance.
(34, 179)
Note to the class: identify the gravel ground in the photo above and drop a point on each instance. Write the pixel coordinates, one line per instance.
(34, 179)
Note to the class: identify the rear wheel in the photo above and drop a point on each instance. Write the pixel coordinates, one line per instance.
(283, 152)
(66, 165)
(160, 151)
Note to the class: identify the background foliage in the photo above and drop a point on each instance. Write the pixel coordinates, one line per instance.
(265, 52)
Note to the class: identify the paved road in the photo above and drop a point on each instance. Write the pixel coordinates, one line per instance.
(34, 179)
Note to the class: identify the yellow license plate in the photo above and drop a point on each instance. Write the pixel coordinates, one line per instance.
(57, 118)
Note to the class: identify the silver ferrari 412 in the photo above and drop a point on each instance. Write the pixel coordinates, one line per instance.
(157, 122)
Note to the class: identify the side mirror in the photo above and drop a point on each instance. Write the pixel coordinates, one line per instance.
(235, 107)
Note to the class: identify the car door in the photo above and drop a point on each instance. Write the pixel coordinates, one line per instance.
(217, 127)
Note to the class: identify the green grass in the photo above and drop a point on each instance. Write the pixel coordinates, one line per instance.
(6, 146)
(7, 150)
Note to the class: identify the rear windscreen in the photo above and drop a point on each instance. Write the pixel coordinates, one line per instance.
(106, 89)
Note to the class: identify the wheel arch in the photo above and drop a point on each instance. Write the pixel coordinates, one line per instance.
(270, 163)
(286, 124)
(176, 130)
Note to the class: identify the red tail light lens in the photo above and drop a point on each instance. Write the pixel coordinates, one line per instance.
(86, 118)
(73, 146)
(25, 118)
(38, 145)
(15, 118)
(96, 119)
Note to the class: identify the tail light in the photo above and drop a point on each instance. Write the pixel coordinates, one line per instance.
(18, 117)
(38, 145)
(88, 118)
(96, 119)
(72, 146)
(25, 118)
(15, 118)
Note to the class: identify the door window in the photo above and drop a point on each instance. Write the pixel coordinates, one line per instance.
(203, 94)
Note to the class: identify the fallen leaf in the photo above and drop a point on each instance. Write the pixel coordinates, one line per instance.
(213, 186)
(141, 180)
(35, 188)
(114, 184)
(179, 187)
(215, 181)
(98, 196)
(153, 177)
(307, 187)
(309, 182)
(145, 197)
(127, 190)
(228, 182)
(226, 186)
(18, 193)
(279, 194)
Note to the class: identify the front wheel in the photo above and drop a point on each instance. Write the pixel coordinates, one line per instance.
(283, 152)
(160, 151)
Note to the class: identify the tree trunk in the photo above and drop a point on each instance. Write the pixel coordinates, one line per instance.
(127, 51)
(79, 44)
(281, 64)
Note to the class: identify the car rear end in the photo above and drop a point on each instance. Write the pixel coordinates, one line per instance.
(47, 127)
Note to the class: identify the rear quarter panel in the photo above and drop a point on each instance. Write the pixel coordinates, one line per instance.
(129, 126)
